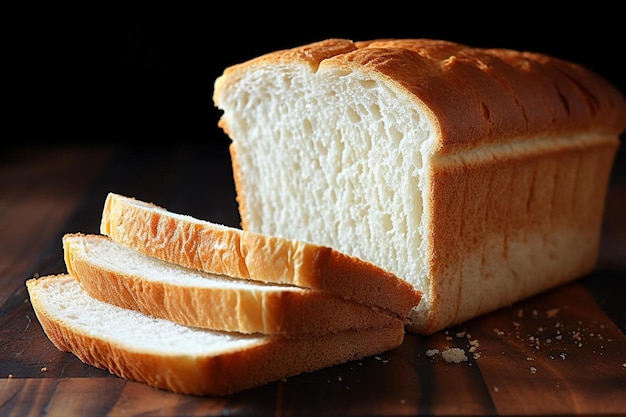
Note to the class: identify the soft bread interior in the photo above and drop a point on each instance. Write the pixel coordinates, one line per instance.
(65, 301)
(355, 173)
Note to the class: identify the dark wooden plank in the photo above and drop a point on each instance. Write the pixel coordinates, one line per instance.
(39, 189)
(555, 354)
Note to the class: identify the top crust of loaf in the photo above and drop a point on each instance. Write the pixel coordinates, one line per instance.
(499, 94)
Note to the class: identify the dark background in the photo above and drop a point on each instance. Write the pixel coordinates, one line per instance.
(146, 76)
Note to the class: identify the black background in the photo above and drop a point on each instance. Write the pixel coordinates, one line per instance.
(146, 76)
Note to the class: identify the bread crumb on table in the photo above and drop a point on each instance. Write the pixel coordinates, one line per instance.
(432, 352)
(454, 355)
(451, 355)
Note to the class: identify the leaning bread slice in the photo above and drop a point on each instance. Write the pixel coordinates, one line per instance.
(219, 249)
(184, 359)
(122, 276)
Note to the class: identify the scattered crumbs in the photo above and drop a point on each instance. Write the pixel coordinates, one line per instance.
(44, 369)
(533, 370)
(496, 389)
(460, 335)
(528, 358)
(624, 365)
(552, 313)
(448, 338)
(454, 355)
(563, 355)
(377, 358)
(339, 379)
(476, 355)
(432, 352)
(516, 323)
(498, 332)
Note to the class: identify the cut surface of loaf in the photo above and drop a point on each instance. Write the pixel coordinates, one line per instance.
(218, 249)
(184, 359)
(127, 278)
(477, 175)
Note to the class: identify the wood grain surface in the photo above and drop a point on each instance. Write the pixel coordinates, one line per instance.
(562, 352)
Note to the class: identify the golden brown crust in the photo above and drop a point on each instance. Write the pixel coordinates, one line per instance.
(506, 229)
(291, 312)
(499, 94)
(214, 372)
(236, 253)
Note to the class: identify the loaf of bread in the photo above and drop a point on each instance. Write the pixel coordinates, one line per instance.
(127, 278)
(182, 359)
(218, 249)
(477, 175)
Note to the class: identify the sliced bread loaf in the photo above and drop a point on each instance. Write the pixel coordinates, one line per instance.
(184, 359)
(477, 175)
(218, 249)
(127, 278)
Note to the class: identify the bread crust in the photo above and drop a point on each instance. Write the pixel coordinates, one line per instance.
(286, 310)
(215, 372)
(506, 229)
(500, 95)
(218, 249)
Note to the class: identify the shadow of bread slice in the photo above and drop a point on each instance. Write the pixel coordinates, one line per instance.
(127, 278)
(184, 359)
(214, 248)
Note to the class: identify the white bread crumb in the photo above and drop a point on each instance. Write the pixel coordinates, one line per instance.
(454, 355)
(432, 352)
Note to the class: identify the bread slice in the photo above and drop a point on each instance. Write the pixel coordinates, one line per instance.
(127, 278)
(184, 359)
(218, 249)
(477, 175)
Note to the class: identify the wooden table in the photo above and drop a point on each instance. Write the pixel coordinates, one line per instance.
(562, 352)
